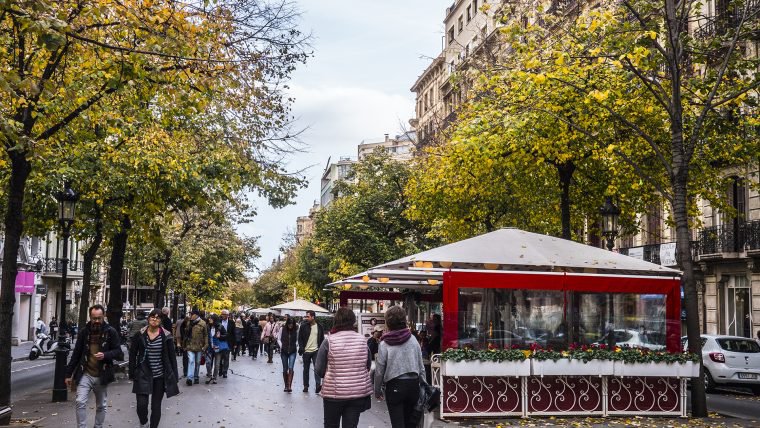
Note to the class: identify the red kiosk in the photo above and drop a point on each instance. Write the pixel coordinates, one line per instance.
(516, 289)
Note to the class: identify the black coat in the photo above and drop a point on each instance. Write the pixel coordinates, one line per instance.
(289, 340)
(254, 333)
(303, 336)
(139, 366)
(228, 334)
(110, 346)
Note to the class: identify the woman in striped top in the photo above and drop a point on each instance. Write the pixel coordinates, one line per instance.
(153, 369)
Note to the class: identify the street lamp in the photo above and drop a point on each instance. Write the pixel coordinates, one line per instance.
(610, 216)
(158, 268)
(67, 200)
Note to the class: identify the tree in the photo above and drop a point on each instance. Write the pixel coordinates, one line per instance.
(64, 58)
(668, 91)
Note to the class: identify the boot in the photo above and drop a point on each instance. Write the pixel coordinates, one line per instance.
(285, 377)
(290, 380)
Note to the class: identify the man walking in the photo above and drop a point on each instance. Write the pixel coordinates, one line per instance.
(228, 335)
(310, 337)
(91, 365)
(54, 328)
(182, 330)
(166, 320)
(195, 343)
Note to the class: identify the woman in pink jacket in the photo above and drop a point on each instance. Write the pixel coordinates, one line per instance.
(268, 336)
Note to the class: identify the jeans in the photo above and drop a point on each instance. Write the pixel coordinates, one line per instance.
(401, 396)
(185, 363)
(193, 364)
(155, 403)
(270, 350)
(261, 348)
(217, 362)
(288, 361)
(348, 410)
(308, 358)
(86, 384)
(224, 364)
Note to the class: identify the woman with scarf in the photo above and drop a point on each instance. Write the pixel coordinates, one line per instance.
(153, 369)
(239, 330)
(398, 370)
(288, 351)
(267, 337)
(343, 362)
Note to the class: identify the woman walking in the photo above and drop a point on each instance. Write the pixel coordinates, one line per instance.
(267, 337)
(211, 321)
(398, 370)
(288, 351)
(343, 362)
(238, 337)
(153, 369)
(254, 337)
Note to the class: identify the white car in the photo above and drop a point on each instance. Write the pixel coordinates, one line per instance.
(730, 361)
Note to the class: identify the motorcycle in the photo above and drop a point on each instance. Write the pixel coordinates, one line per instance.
(45, 345)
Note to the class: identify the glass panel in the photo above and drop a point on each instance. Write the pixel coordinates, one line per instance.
(525, 318)
(739, 345)
(508, 317)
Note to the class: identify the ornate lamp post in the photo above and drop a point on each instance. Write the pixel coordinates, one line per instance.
(158, 268)
(610, 216)
(67, 200)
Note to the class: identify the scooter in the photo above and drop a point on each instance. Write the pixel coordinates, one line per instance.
(46, 346)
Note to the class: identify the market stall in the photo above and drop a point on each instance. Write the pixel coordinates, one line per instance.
(576, 329)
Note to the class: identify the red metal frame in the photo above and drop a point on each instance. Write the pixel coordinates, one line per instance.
(453, 281)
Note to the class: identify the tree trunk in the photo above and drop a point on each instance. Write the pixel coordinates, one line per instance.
(565, 172)
(14, 228)
(88, 259)
(115, 271)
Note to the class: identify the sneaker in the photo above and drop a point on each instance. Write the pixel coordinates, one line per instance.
(306, 388)
(224, 376)
(189, 382)
(319, 388)
(213, 380)
(208, 381)
(196, 381)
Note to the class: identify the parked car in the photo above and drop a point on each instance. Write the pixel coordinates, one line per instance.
(633, 339)
(730, 361)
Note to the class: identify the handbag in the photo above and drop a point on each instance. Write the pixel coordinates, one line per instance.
(267, 339)
(429, 398)
(203, 359)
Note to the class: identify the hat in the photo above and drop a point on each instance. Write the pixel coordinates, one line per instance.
(378, 328)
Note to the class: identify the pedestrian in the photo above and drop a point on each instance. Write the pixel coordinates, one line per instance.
(434, 328)
(219, 344)
(398, 370)
(137, 324)
(267, 337)
(343, 361)
(310, 337)
(239, 331)
(54, 328)
(166, 320)
(195, 343)
(374, 340)
(153, 368)
(91, 365)
(254, 337)
(262, 323)
(288, 350)
(182, 331)
(228, 335)
(246, 332)
(41, 327)
(211, 322)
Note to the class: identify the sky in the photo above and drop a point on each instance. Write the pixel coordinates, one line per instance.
(367, 54)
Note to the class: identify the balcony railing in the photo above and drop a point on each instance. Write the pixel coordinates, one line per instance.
(56, 265)
(652, 253)
(728, 19)
(729, 238)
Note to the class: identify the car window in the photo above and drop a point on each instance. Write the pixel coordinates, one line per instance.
(739, 345)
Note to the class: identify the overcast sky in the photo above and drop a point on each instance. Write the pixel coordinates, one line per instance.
(367, 54)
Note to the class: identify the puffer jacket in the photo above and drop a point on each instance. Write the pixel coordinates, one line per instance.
(198, 340)
(288, 341)
(139, 366)
(343, 362)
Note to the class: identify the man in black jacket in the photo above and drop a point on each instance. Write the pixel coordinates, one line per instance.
(310, 337)
(91, 365)
(228, 335)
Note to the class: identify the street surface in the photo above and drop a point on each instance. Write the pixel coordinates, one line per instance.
(252, 396)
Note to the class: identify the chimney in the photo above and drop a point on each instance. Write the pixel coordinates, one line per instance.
(386, 138)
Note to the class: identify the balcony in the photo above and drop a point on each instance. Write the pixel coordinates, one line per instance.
(727, 19)
(663, 254)
(743, 236)
(55, 266)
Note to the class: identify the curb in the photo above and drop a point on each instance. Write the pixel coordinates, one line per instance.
(14, 360)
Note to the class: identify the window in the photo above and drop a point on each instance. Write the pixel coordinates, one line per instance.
(469, 13)
(475, 6)
(739, 345)
(461, 23)
(451, 35)
(653, 225)
(736, 299)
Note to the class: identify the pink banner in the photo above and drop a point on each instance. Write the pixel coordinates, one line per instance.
(25, 282)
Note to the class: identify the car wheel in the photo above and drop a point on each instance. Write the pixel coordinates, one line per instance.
(709, 382)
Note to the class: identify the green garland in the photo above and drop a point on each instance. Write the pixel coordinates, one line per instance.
(585, 354)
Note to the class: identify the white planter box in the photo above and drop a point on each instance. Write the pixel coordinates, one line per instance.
(688, 369)
(567, 367)
(485, 368)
